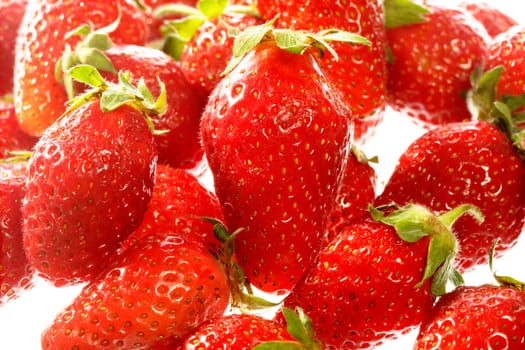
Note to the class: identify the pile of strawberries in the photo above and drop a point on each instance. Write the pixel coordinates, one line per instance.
(111, 109)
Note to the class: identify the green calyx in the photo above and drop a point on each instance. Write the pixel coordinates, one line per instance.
(413, 222)
(299, 326)
(90, 50)
(115, 95)
(178, 32)
(403, 12)
(503, 280)
(242, 295)
(295, 41)
(507, 112)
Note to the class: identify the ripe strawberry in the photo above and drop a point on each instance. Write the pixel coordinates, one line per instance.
(39, 98)
(12, 138)
(11, 12)
(360, 71)
(476, 317)
(431, 64)
(470, 162)
(178, 204)
(377, 278)
(493, 19)
(90, 180)
(276, 136)
(357, 191)
(158, 289)
(15, 271)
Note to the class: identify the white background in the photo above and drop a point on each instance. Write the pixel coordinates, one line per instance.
(23, 319)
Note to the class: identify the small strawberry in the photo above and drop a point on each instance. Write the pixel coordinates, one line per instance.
(90, 179)
(470, 162)
(486, 316)
(378, 278)
(276, 136)
(39, 98)
(357, 191)
(12, 138)
(11, 12)
(15, 271)
(157, 290)
(493, 19)
(432, 61)
(358, 71)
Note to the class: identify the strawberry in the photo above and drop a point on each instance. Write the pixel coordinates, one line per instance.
(178, 204)
(11, 12)
(12, 138)
(431, 63)
(90, 179)
(276, 136)
(359, 71)
(158, 289)
(39, 98)
(469, 162)
(357, 191)
(493, 19)
(15, 271)
(378, 278)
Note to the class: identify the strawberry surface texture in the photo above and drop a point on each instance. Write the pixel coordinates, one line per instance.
(262, 174)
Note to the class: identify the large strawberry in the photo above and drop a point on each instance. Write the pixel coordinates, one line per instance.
(15, 271)
(469, 162)
(431, 63)
(378, 278)
(157, 290)
(276, 136)
(360, 71)
(11, 12)
(39, 97)
(90, 180)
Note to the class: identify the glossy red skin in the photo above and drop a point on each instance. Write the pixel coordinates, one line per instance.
(207, 54)
(276, 138)
(15, 271)
(506, 50)
(90, 179)
(232, 332)
(39, 98)
(11, 12)
(360, 72)
(178, 204)
(494, 21)
(180, 147)
(459, 163)
(12, 138)
(432, 62)
(357, 191)
(476, 317)
(362, 289)
(160, 288)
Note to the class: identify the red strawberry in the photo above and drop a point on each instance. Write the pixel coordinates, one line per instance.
(372, 283)
(11, 137)
(359, 72)
(276, 136)
(476, 317)
(15, 271)
(158, 289)
(494, 20)
(432, 62)
(11, 12)
(470, 162)
(90, 180)
(39, 97)
(357, 191)
(178, 204)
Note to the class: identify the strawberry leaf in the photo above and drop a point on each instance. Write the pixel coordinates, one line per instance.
(403, 12)
(212, 8)
(88, 75)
